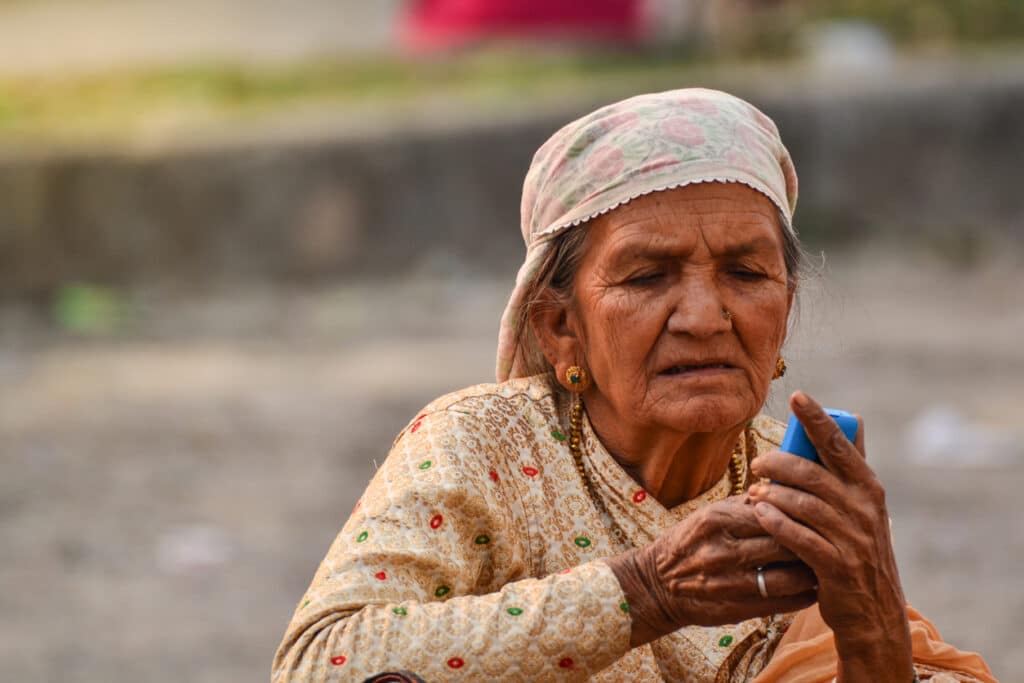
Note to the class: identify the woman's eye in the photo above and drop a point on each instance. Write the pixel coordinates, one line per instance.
(747, 274)
(644, 279)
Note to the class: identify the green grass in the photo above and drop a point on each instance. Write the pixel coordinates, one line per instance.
(124, 103)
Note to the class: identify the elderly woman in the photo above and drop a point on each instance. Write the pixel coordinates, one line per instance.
(615, 508)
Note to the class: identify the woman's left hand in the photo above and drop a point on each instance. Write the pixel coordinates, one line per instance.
(835, 520)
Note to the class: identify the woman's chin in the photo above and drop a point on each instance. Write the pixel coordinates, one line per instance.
(706, 413)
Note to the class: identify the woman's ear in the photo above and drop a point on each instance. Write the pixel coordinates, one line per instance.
(554, 326)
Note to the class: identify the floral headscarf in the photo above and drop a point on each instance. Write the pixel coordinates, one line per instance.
(631, 148)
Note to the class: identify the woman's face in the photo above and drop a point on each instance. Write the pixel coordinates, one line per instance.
(649, 296)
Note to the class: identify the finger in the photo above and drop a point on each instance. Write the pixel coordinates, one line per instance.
(858, 441)
(786, 581)
(759, 551)
(792, 603)
(751, 607)
(814, 550)
(734, 518)
(803, 507)
(789, 469)
(756, 606)
(780, 581)
(837, 453)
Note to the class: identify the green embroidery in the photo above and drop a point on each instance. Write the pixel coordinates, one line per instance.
(304, 604)
(362, 537)
(725, 641)
(400, 611)
(442, 591)
(624, 607)
(425, 465)
(582, 541)
(558, 435)
(514, 611)
(482, 539)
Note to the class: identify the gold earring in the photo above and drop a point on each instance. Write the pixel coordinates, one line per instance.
(780, 368)
(577, 378)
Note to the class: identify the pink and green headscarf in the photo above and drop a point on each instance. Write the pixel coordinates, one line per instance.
(625, 150)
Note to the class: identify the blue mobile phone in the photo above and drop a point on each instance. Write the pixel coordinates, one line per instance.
(797, 443)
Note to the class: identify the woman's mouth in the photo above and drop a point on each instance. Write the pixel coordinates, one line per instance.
(705, 367)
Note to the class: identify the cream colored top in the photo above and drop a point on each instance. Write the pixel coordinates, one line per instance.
(473, 555)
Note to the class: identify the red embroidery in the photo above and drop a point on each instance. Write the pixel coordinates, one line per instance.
(381, 576)
(338, 661)
(566, 570)
(415, 426)
(565, 663)
(494, 475)
(640, 496)
(531, 471)
(456, 663)
(435, 521)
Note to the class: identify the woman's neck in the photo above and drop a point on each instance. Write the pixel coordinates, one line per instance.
(674, 467)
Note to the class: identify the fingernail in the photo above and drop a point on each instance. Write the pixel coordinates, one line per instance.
(800, 398)
(755, 490)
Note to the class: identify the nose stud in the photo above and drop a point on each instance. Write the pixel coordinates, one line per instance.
(726, 314)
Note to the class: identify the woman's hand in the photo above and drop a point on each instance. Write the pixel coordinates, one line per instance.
(834, 519)
(704, 571)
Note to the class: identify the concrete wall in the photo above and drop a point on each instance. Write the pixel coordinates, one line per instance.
(914, 163)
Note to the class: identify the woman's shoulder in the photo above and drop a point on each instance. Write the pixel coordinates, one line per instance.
(473, 437)
(520, 398)
(537, 388)
(484, 417)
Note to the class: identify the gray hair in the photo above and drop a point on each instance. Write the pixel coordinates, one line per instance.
(555, 277)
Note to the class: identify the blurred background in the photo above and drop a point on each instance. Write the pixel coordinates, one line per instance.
(243, 241)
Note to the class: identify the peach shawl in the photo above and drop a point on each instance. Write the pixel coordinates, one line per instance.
(807, 653)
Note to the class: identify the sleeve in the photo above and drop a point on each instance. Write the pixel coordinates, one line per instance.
(431, 574)
(807, 654)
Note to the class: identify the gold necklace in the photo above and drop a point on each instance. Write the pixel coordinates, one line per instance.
(736, 468)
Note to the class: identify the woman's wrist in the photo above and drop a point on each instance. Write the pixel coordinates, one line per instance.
(878, 660)
(650, 620)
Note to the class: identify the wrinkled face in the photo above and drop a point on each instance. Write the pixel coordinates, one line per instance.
(648, 307)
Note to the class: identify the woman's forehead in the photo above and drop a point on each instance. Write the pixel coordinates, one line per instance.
(728, 216)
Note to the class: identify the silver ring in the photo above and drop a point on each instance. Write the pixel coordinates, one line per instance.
(761, 587)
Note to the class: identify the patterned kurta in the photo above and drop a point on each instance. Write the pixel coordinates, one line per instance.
(474, 554)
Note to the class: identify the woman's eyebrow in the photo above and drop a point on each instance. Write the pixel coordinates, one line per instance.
(752, 246)
(626, 253)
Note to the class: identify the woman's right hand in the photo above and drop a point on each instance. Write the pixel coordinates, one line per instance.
(703, 571)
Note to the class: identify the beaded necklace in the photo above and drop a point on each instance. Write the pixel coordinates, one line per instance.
(736, 469)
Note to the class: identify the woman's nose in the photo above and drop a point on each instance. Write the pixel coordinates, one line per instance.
(698, 309)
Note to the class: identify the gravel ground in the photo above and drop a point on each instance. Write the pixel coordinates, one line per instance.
(166, 494)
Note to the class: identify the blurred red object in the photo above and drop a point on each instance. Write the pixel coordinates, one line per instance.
(440, 24)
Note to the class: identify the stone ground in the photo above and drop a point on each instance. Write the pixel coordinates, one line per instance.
(166, 494)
